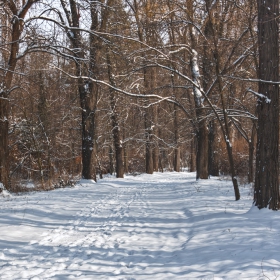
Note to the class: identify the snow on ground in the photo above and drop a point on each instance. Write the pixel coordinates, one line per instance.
(161, 226)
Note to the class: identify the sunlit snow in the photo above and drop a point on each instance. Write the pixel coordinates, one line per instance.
(161, 226)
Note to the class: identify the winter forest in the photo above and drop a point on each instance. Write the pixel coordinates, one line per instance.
(139, 139)
(89, 88)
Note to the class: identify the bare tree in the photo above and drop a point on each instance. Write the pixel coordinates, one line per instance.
(18, 12)
(115, 120)
(87, 66)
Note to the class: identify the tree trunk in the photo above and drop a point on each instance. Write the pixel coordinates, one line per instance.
(177, 147)
(208, 70)
(125, 152)
(251, 155)
(202, 152)
(177, 159)
(213, 153)
(149, 145)
(88, 91)
(149, 158)
(118, 146)
(225, 123)
(4, 129)
(267, 166)
(155, 158)
(115, 122)
(111, 162)
(155, 139)
(176, 153)
(148, 124)
(226, 134)
(193, 155)
(88, 127)
(251, 162)
(146, 34)
(201, 130)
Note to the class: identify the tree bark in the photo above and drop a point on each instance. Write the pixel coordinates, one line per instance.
(148, 122)
(149, 143)
(155, 139)
(193, 155)
(177, 147)
(208, 69)
(226, 134)
(251, 155)
(202, 152)
(111, 162)
(201, 129)
(267, 166)
(4, 146)
(115, 122)
(213, 164)
(125, 151)
(88, 105)
(151, 154)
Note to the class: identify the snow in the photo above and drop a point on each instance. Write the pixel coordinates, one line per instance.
(195, 73)
(261, 96)
(71, 34)
(28, 184)
(161, 226)
(4, 192)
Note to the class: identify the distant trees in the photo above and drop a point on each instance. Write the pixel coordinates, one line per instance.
(139, 86)
(12, 21)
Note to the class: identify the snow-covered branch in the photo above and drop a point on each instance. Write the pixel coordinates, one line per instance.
(251, 80)
(260, 95)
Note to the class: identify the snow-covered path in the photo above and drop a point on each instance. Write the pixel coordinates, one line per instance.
(161, 226)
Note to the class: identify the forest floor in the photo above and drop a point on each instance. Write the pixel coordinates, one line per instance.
(161, 226)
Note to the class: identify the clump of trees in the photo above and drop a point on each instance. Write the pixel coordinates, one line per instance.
(93, 87)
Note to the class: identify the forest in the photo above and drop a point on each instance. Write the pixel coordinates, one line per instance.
(139, 86)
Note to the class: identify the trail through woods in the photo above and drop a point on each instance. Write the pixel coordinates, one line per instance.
(161, 226)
